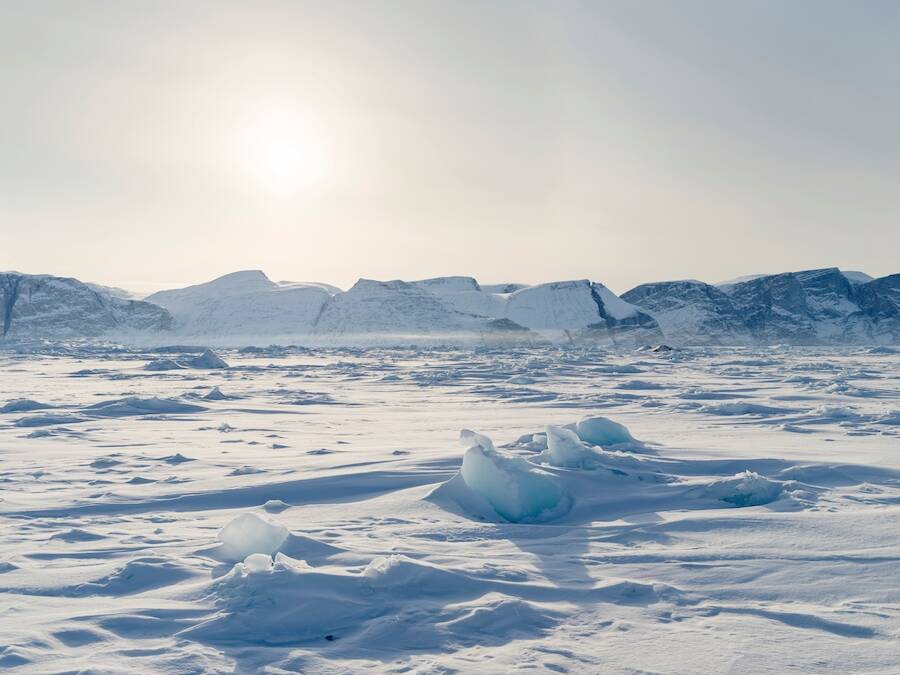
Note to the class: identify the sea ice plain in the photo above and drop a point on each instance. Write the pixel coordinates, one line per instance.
(450, 510)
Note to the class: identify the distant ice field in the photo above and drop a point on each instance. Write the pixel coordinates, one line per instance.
(700, 510)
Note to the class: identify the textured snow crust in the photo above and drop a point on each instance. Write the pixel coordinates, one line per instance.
(449, 510)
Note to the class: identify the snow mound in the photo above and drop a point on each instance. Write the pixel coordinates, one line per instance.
(162, 365)
(249, 533)
(402, 574)
(215, 394)
(275, 506)
(280, 601)
(23, 405)
(139, 574)
(747, 488)
(395, 603)
(521, 379)
(491, 483)
(565, 449)
(132, 405)
(892, 418)
(743, 408)
(602, 431)
(47, 420)
(208, 360)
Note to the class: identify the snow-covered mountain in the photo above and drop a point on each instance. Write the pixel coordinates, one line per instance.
(691, 312)
(44, 306)
(455, 305)
(247, 304)
(825, 306)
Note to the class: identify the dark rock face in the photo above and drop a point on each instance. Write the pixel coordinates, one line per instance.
(42, 306)
(691, 312)
(813, 307)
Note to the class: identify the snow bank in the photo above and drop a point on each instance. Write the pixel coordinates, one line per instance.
(602, 431)
(248, 534)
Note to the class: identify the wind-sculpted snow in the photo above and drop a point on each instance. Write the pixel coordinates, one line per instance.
(312, 510)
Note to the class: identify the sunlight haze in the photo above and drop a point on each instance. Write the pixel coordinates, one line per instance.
(617, 141)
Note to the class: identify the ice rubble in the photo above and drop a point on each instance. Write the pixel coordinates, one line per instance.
(249, 533)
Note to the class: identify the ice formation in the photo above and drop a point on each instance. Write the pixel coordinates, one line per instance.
(565, 449)
(516, 489)
(602, 431)
(247, 534)
(747, 488)
(208, 360)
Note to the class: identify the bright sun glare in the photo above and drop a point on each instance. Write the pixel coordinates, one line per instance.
(281, 154)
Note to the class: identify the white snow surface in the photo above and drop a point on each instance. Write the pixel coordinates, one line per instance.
(319, 515)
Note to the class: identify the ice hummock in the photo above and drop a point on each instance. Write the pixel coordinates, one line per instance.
(215, 394)
(565, 449)
(603, 432)
(507, 485)
(747, 488)
(249, 533)
(208, 360)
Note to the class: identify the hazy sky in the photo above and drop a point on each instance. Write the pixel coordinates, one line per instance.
(151, 144)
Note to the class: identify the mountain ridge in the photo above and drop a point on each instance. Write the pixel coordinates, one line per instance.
(809, 307)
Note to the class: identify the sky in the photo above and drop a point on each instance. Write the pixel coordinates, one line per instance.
(156, 144)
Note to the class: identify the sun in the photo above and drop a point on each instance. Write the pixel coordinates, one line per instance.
(281, 153)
